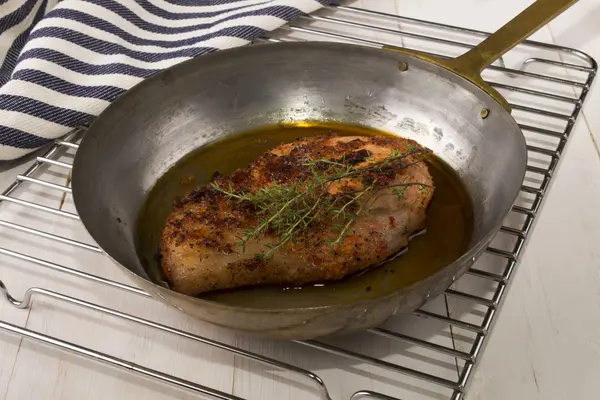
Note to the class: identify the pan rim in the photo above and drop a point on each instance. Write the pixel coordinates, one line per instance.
(473, 252)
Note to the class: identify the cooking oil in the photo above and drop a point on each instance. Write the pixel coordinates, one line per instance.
(449, 222)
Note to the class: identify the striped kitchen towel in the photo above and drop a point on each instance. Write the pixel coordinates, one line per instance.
(62, 63)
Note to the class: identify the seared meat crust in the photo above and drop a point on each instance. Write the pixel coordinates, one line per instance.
(200, 249)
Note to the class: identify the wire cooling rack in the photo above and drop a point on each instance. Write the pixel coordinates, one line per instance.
(429, 354)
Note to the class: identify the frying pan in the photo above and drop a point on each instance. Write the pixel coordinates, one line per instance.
(442, 103)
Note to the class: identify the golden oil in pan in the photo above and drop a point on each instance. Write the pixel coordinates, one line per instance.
(449, 222)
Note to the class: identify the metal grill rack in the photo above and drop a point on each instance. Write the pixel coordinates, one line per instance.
(430, 354)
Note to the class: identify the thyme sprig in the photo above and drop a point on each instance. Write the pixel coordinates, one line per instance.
(291, 209)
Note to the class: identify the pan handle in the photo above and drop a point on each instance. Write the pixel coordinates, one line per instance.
(470, 64)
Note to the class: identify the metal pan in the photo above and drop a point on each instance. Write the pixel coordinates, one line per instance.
(443, 104)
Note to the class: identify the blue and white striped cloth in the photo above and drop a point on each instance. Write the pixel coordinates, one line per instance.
(62, 63)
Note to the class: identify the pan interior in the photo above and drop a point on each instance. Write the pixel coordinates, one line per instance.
(447, 235)
(214, 98)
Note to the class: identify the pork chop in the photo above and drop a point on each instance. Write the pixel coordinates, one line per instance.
(201, 242)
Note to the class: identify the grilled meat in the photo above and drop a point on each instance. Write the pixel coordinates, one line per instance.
(200, 245)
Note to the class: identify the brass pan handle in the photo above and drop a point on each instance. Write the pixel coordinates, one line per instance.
(470, 64)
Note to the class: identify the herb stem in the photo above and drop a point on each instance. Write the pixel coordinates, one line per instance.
(286, 236)
(288, 210)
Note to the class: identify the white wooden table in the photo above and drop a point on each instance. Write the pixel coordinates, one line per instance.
(545, 343)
